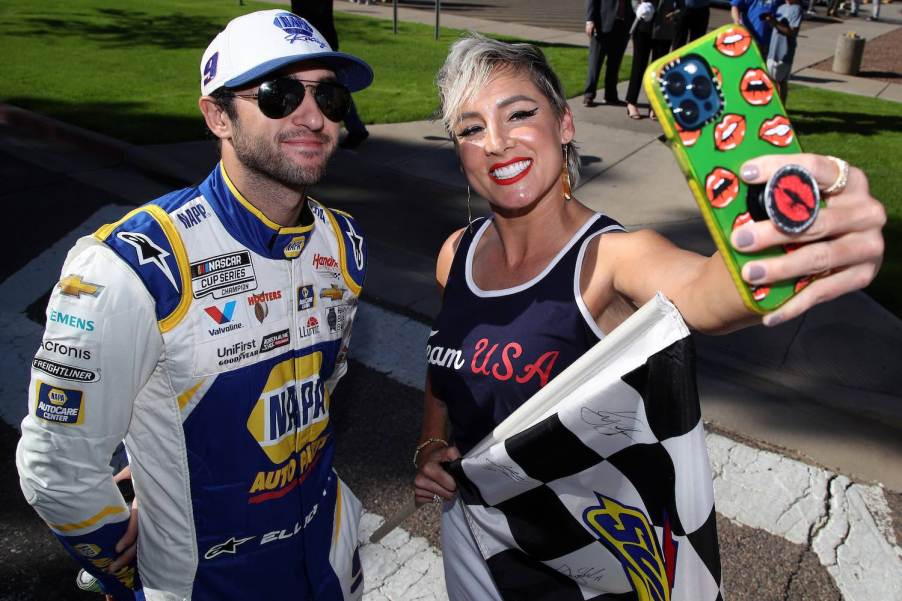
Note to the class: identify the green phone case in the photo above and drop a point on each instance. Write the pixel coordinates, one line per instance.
(751, 122)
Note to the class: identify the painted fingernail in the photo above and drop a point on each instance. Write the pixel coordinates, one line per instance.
(773, 319)
(744, 238)
(756, 272)
(749, 172)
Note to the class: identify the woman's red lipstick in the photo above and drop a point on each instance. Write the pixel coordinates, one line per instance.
(511, 167)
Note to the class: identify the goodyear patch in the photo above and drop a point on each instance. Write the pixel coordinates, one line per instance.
(59, 405)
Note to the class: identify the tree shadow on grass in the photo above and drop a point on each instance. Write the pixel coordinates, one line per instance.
(816, 122)
(120, 28)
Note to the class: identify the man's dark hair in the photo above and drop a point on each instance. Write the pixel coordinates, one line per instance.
(225, 99)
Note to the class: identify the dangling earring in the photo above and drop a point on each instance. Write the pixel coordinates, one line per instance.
(469, 213)
(565, 174)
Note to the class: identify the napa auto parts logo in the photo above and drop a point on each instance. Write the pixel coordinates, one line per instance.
(289, 422)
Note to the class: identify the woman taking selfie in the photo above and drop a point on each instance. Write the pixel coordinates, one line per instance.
(549, 273)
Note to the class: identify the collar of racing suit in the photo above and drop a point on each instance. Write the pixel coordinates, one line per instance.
(247, 224)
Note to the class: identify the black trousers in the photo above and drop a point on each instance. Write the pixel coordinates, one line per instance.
(610, 45)
(643, 46)
(692, 24)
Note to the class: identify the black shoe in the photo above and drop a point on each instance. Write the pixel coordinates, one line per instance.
(354, 139)
(614, 102)
(588, 100)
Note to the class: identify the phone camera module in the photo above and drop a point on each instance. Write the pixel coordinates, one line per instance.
(691, 92)
(675, 84)
(701, 87)
(687, 111)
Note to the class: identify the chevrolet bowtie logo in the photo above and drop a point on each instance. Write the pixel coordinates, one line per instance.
(73, 285)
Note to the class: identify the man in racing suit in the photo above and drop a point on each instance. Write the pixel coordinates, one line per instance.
(207, 330)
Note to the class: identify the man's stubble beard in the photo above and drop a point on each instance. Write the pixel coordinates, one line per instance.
(266, 159)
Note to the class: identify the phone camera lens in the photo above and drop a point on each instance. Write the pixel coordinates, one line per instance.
(676, 84)
(688, 112)
(701, 87)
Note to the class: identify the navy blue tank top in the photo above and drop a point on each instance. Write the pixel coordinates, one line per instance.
(491, 350)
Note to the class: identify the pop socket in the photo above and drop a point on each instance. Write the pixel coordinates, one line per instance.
(791, 199)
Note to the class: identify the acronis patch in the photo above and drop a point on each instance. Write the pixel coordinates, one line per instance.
(59, 405)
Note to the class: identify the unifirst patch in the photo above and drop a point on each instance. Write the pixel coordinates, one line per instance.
(59, 405)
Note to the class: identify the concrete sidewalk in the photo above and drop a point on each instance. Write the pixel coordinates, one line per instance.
(815, 43)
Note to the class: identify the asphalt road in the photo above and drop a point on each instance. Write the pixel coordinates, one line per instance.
(376, 417)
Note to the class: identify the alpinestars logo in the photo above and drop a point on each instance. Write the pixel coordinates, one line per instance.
(230, 547)
(357, 243)
(149, 252)
(222, 316)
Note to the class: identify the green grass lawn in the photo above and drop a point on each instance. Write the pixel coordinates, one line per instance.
(867, 132)
(130, 69)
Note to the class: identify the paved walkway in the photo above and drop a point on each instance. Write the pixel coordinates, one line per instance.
(817, 40)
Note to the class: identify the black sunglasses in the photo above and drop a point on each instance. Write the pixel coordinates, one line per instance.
(279, 97)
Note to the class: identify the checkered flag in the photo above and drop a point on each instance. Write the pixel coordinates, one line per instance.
(599, 487)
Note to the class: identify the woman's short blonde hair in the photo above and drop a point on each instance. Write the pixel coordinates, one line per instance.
(474, 59)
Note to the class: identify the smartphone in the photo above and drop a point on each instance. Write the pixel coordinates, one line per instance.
(719, 108)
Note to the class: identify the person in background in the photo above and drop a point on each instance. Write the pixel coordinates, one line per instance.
(549, 277)
(750, 14)
(653, 35)
(875, 8)
(608, 26)
(786, 23)
(692, 22)
(319, 14)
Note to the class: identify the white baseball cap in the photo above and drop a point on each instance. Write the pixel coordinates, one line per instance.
(254, 45)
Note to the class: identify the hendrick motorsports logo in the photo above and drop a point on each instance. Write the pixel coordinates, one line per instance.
(224, 275)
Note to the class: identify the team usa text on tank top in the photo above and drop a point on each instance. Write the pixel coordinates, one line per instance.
(491, 350)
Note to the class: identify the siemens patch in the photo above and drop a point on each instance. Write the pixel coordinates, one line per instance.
(224, 275)
(65, 372)
(59, 405)
(73, 321)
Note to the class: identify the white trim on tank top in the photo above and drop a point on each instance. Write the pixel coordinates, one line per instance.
(524, 286)
(577, 293)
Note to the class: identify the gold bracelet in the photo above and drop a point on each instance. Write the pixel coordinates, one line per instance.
(423, 445)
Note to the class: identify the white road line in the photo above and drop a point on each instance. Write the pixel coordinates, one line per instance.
(847, 525)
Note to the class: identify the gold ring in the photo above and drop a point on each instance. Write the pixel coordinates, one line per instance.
(842, 178)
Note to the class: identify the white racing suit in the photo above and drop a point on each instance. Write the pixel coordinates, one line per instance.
(208, 339)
